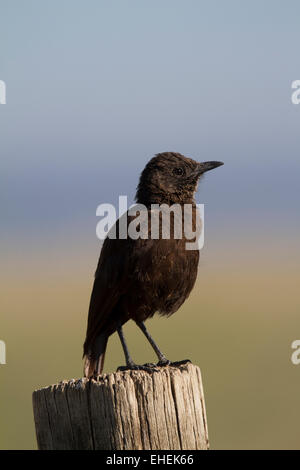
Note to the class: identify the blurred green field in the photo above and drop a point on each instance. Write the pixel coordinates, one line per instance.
(237, 325)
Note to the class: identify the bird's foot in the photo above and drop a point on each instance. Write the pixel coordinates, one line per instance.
(132, 366)
(164, 362)
(150, 364)
(180, 363)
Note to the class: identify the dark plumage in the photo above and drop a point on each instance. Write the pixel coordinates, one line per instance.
(136, 278)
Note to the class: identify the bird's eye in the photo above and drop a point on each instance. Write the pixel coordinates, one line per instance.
(178, 171)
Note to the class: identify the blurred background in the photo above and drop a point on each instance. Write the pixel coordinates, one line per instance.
(95, 89)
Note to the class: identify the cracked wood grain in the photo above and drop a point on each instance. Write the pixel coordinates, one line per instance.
(131, 410)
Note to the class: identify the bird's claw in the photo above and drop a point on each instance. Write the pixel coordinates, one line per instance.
(146, 367)
(181, 363)
(165, 362)
(150, 364)
(149, 367)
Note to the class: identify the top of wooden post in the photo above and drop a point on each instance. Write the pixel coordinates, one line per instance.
(126, 410)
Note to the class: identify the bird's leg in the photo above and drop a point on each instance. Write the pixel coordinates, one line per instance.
(129, 361)
(130, 364)
(162, 360)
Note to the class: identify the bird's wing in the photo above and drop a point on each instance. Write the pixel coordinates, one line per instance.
(113, 278)
(111, 281)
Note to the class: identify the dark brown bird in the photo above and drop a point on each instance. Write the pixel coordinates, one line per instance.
(137, 277)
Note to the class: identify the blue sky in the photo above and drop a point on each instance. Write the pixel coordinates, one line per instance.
(94, 89)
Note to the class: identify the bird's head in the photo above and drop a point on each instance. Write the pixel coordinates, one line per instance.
(171, 178)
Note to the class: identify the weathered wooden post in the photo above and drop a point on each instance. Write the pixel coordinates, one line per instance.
(131, 410)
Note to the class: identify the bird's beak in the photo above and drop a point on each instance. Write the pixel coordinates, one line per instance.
(206, 166)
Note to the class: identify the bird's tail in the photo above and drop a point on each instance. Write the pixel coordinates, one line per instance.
(94, 358)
